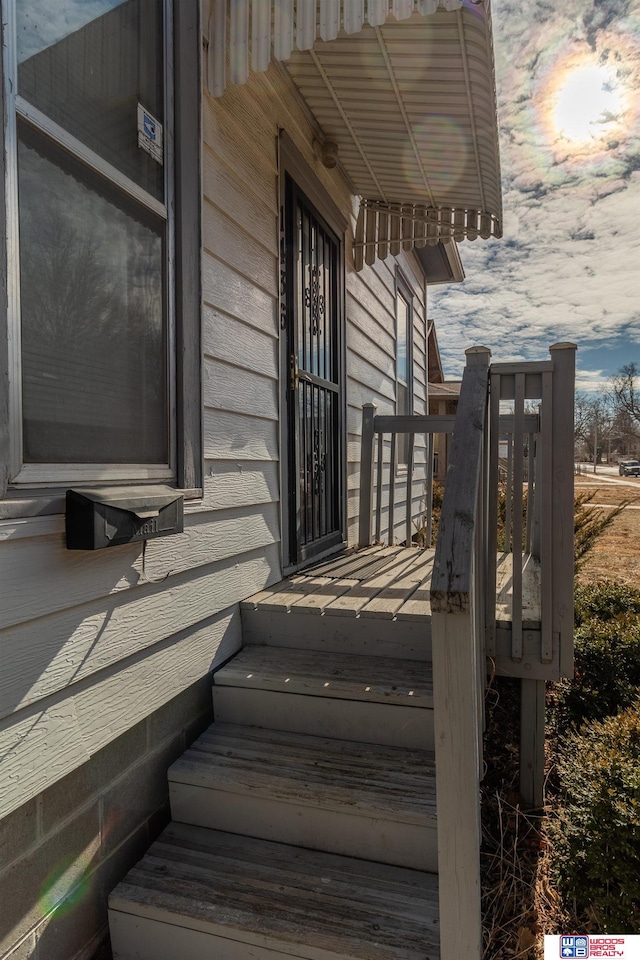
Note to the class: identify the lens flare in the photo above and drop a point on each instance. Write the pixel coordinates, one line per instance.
(445, 152)
(68, 884)
(590, 104)
(587, 102)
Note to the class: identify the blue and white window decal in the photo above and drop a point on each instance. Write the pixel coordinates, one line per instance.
(150, 134)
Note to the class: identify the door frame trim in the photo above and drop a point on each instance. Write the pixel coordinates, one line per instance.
(291, 162)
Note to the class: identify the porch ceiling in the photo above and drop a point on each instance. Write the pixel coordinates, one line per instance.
(411, 107)
(406, 90)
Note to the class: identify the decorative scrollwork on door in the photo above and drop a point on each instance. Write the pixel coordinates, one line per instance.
(283, 280)
(319, 464)
(314, 301)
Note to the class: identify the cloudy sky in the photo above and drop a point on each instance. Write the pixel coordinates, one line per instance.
(568, 267)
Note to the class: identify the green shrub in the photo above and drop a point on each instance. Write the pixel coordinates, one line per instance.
(607, 656)
(604, 600)
(589, 523)
(607, 671)
(596, 836)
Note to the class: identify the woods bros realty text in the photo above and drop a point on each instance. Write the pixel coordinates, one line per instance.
(581, 946)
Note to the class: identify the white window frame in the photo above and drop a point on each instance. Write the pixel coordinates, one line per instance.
(28, 475)
(403, 291)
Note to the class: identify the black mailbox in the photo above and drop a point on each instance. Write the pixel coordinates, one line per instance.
(107, 516)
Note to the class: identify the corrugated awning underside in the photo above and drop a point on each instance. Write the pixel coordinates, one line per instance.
(411, 105)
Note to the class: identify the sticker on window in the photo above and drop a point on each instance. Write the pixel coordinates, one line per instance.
(149, 134)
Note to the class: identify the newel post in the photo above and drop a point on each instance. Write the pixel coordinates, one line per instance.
(366, 475)
(563, 356)
(457, 635)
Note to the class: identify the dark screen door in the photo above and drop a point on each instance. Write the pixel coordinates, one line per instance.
(313, 331)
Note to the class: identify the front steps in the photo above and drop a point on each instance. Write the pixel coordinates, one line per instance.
(377, 803)
(204, 895)
(304, 818)
(398, 639)
(329, 695)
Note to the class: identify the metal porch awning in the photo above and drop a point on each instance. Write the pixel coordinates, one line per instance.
(404, 88)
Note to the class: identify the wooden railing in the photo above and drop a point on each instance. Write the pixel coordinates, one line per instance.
(537, 528)
(457, 638)
(504, 550)
(396, 500)
(536, 552)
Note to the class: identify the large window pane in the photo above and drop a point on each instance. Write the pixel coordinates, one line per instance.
(403, 339)
(93, 325)
(87, 64)
(403, 400)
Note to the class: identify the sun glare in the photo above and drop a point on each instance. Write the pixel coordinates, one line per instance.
(585, 100)
(589, 104)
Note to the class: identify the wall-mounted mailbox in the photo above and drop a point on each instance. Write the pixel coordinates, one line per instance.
(99, 517)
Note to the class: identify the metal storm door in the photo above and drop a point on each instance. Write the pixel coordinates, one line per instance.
(314, 357)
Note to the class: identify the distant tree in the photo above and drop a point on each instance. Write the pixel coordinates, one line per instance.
(594, 420)
(626, 391)
(625, 398)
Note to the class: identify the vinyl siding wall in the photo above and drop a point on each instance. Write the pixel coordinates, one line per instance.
(241, 235)
(371, 370)
(92, 645)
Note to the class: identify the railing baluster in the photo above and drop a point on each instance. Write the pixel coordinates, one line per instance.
(379, 487)
(366, 474)
(563, 357)
(537, 496)
(546, 515)
(478, 605)
(531, 480)
(508, 529)
(392, 487)
(371, 495)
(410, 442)
(516, 554)
(492, 532)
(429, 493)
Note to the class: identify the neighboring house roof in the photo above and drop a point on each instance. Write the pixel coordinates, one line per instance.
(435, 373)
(405, 97)
(451, 388)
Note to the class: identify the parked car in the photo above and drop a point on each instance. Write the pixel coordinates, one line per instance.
(629, 468)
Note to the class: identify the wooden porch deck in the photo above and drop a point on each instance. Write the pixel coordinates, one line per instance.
(387, 583)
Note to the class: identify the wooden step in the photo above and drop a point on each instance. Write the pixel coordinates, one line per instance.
(366, 699)
(373, 802)
(403, 637)
(203, 895)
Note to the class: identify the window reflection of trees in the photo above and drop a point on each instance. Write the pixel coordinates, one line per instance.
(93, 335)
(87, 64)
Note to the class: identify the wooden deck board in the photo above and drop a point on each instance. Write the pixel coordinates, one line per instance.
(350, 562)
(292, 590)
(268, 894)
(351, 604)
(389, 583)
(265, 595)
(300, 768)
(313, 673)
(322, 596)
(387, 603)
(418, 606)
